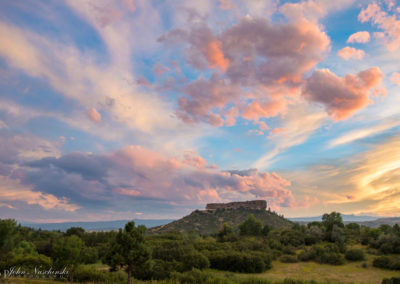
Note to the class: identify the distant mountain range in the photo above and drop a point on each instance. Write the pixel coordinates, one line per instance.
(213, 222)
(96, 226)
(363, 220)
(346, 218)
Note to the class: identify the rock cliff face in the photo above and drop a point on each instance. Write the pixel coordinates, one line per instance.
(253, 204)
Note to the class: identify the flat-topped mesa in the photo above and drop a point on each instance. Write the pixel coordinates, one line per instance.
(253, 204)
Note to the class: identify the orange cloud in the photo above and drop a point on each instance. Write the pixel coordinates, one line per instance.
(350, 52)
(215, 56)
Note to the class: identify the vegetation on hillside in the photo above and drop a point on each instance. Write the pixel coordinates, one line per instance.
(209, 222)
(251, 247)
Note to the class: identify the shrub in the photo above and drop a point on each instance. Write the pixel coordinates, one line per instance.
(355, 255)
(249, 262)
(196, 276)
(163, 269)
(195, 259)
(387, 262)
(288, 259)
(328, 253)
(85, 274)
(393, 280)
(381, 262)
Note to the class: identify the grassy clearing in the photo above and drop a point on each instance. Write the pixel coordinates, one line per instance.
(351, 272)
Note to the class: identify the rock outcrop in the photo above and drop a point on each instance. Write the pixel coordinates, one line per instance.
(253, 204)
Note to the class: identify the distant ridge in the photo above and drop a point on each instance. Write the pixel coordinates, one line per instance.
(346, 218)
(368, 221)
(95, 226)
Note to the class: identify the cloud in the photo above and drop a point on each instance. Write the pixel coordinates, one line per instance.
(313, 10)
(342, 97)
(94, 115)
(255, 57)
(136, 172)
(349, 52)
(371, 179)
(13, 192)
(359, 37)
(215, 56)
(395, 78)
(389, 23)
(78, 77)
(255, 110)
(293, 131)
(358, 134)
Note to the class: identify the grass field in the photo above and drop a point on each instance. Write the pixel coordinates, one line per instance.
(351, 272)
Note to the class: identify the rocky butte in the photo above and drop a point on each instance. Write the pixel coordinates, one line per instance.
(253, 204)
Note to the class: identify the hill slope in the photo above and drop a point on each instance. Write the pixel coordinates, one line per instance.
(381, 221)
(208, 222)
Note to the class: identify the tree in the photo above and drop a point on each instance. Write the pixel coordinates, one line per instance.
(225, 233)
(251, 227)
(329, 220)
(67, 252)
(77, 231)
(8, 235)
(129, 250)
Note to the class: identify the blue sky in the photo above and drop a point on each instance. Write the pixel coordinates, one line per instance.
(150, 109)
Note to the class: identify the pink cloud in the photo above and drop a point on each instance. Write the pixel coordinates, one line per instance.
(395, 78)
(389, 24)
(277, 56)
(130, 5)
(359, 37)
(127, 191)
(160, 69)
(225, 4)
(278, 130)
(342, 96)
(143, 82)
(350, 52)
(147, 173)
(94, 115)
(194, 160)
(215, 56)
(256, 110)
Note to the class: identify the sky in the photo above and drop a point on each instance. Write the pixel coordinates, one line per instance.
(131, 109)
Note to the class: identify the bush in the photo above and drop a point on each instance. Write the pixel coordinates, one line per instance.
(355, 255)
(381, 262)
(328, 253)
(387, 262)
(163, 269)
(86, 274)
(288, 259)
(196, 276)
(195, 259)
(393, 280)
(249, 262)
